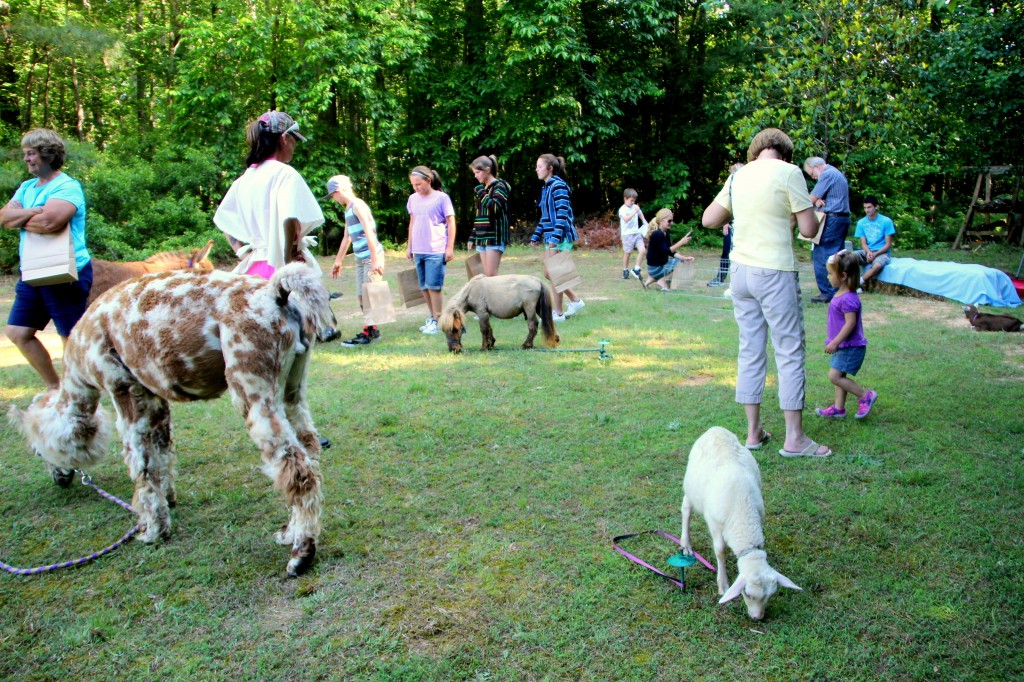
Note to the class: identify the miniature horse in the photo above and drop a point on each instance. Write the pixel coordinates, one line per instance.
(186, 336)
(504, 297)
(106, 274)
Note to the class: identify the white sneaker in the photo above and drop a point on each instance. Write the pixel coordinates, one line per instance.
(430, 327)
(555, 317)
(426, 323)
(572, 307)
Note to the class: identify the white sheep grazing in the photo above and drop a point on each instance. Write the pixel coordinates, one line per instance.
(723, 482)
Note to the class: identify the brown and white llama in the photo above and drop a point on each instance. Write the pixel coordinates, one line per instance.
(107, 273)
(188, 336)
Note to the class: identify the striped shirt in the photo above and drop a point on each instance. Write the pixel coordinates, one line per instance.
(490, 227)
(356, 231)
(557, 223)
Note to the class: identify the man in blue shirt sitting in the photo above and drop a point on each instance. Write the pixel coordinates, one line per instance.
(875, 232)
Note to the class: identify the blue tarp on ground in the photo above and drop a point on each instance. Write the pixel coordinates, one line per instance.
(965, 283)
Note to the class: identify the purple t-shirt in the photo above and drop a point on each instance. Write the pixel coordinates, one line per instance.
(429, 221)
(837, 309)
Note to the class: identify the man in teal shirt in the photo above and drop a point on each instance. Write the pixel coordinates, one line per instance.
(875, 232)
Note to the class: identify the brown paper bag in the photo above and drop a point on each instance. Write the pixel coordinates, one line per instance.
(377, 299)
(562, 271)
(820, 217)
(409, 288)
(49, 258)
(683, 273)
(474, 265)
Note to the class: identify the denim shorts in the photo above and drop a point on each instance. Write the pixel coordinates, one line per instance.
(500, 248)
(34, 307)
(659, 271)
(430, 268)
(848, 360)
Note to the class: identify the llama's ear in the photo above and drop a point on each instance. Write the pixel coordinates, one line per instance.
(783, 581)
(204, 252)
(15, 416)
(734, 590)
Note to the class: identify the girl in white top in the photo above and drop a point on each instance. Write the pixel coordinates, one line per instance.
(269, 211)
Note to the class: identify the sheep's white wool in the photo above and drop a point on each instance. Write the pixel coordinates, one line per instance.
(723, 482)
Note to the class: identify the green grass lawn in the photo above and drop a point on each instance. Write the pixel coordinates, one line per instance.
(471, 501)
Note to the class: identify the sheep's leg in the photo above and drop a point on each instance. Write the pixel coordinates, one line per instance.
(297, 409)
(146, 435)
(721, 573)
(684, 535)
(293, 471)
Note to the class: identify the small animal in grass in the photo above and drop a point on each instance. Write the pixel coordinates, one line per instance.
(723, 482)
(184, 336)
(987, 322)
(504, 297)
(106, 273)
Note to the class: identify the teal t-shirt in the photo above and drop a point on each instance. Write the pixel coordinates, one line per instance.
(64, 187)
(875, 231)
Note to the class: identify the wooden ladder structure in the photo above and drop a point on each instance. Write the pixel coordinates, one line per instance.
(988, 207)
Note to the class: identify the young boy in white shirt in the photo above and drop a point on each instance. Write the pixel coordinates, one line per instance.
(632, 232)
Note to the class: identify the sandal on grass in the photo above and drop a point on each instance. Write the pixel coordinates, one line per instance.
(810, 450)
(765, 437)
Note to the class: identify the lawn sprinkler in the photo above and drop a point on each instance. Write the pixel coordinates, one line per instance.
(602, 351)
(682, 561)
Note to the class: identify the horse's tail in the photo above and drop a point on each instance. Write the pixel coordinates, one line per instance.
(547, 325)
(296, 285)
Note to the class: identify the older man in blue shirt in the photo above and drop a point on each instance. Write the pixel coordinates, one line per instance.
(831, 194)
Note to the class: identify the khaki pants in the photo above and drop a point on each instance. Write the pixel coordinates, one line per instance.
(769, 300)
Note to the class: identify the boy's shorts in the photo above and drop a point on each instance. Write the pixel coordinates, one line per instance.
(34, 307)
(483, 249)
(430, 269)
(364, 275)
(881, 260)
(632, 241)
(848, 360)
(659, 271)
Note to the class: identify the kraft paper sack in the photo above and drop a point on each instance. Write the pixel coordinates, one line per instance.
(49, 258)
(474, 265)
(379, 308)
(816, 239)
(562, 271)
(409, 288)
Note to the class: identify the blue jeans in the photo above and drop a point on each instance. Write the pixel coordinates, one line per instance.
(832, 238)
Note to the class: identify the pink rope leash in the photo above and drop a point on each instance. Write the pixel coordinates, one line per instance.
(646, 565)
(86, 480)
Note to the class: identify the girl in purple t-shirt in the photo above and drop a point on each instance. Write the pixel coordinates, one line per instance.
(845, 340)
(431, 237)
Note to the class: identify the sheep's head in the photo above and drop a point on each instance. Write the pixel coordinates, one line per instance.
(757, 582)
(65, 441)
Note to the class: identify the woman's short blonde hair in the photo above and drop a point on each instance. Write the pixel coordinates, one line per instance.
(771, 138)
(48, 144)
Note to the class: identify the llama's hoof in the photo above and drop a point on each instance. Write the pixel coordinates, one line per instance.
(302, 558)
(63, 477)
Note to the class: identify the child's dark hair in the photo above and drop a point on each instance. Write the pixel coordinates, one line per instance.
(630, 193)
(555, 163)
(845, 263)
(428, 174)
(487, 163)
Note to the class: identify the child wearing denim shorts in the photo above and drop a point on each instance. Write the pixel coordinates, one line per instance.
(845, 340)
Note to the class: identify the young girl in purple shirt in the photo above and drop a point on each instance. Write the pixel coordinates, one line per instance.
(845, 340)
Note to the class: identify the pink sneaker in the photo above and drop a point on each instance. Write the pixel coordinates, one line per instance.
(865, 403)
(831, 411)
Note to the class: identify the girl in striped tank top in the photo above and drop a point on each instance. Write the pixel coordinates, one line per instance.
(361, 234)
(490, 233)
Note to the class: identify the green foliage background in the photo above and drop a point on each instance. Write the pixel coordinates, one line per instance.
(660, 95)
